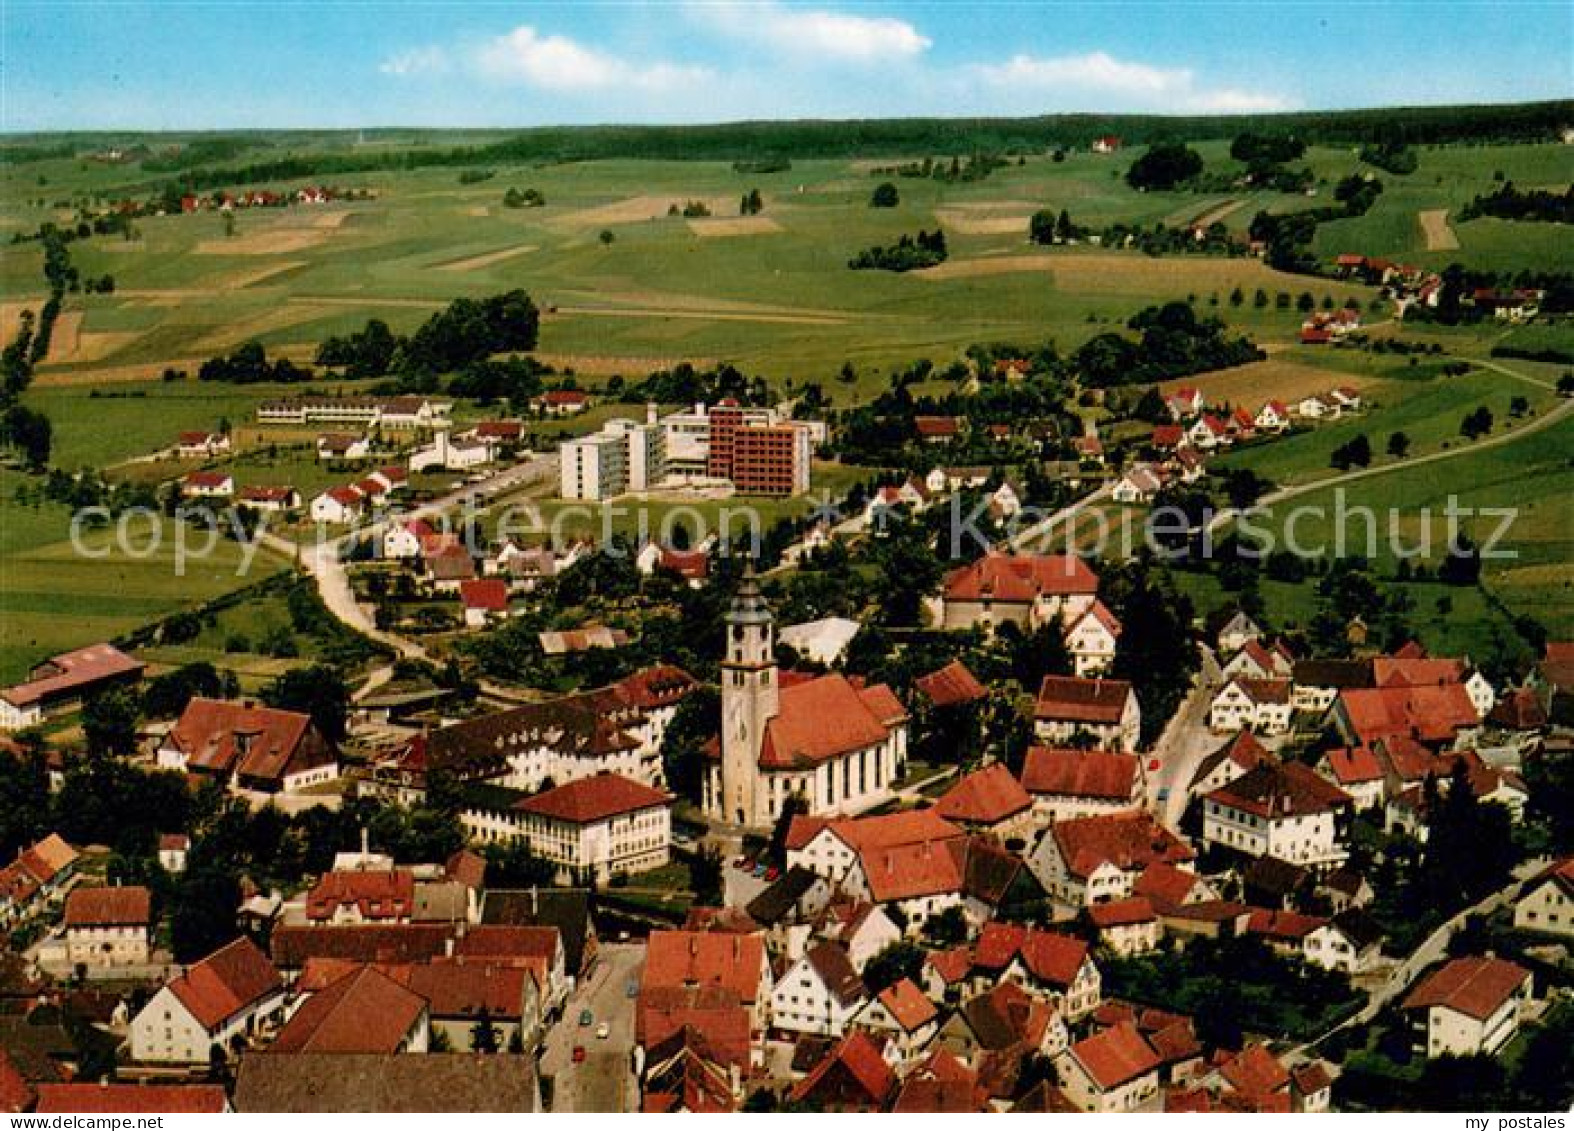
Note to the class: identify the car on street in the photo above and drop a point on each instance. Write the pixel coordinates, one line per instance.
(603, 1031)
(579, 1054)
(586, 1018)
(631, 988)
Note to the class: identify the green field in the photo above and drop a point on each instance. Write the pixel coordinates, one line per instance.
(771, 294)
(53, 598)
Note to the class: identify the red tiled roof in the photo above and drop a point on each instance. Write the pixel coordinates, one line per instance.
(1165, 884)
(378, 895)
(1276, 790)
(265, 743)
(907, 1005)
(1255, 1071)
(71, 671)
(713, 1011)
(365, 1012)
(936, 425)
(500, 942)
(1352, 765)
(131, 1099)
(854, 1074)
(1476, 986)
(1405, 670)
(1122, 913)
(825, 718)
(564, 397)
(1096, 774)
(593, 799)
(1116, 1056)
(693, 958)
(226, 982)
(459, 988)
(951, 685)
(888, 830)
(663, 685)
(952, 965)
(1020, 578)
(1560, 872)
(374, 942)
(1433, 712)
(1283, 926)
(210, 480)
(1050, 957)
(1074, 699)
(500, 429)
(109, 907)
(1130, 841)
(489, 594)
(985, 796)
(1168, 436)
(908, 871)
(16, 1094)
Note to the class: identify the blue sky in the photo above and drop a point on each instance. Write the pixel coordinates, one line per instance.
(346, 63)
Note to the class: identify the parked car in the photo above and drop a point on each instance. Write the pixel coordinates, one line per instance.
(631, 989)
(603, 1031)
(586, 1018)
(579, 1054)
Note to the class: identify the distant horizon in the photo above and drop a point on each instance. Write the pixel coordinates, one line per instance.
(719, 123)
(92, 66)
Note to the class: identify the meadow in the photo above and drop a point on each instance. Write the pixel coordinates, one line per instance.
(770, 293)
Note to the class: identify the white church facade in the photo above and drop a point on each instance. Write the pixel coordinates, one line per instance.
(835, 743)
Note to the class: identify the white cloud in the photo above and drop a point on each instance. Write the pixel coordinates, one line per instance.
(557, 63)
(813, 32)
(417, 61)
(1131, 85)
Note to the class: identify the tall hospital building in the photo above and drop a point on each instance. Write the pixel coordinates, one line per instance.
(755, 449)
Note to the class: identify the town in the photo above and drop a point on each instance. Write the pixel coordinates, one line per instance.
(965, 615)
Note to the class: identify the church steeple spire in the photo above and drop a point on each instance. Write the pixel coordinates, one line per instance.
(748, 702)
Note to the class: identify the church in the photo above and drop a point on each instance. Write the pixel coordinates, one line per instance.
(837, 744)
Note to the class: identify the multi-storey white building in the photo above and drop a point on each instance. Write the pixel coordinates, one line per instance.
(229, 994)
(1281, 810)
(597, 827)
(108, 926)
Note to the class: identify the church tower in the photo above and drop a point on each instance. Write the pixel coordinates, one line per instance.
(748, 703)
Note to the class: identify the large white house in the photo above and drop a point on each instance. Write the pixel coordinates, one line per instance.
(1546, 906)
(1070, 708)
(1281, 810)
(108, 926)
(598, 827)
(1469, 1006)
(226, 996)
(1091, 637)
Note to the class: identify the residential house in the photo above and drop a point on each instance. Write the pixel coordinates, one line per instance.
(1468, 1006)
(1030, 589)
(852, 1077)
(208, 485)
(172, 851)
(201, 445)
(249, 747)
(1091, 637)
(734, 963)
(1236, 757)
(937, 429)
(270, 500)
(1208, 432)
(1113, 1070)
(108, 926)
(484, 600)
(1238, 631)
(1138, 485)
(1055, 966)
(1065, 783)
(1273, 416)
(223, 999)
(1546, 903)
(904, 1018)
(364, 1011)
(337, 506)
(1257, 660)
(343, 446)
(1088, 860)
(989, 800)
(1283, 810)
(1105, 710)
(863, 928)
(35, 879)
(1359, 772)
(1262, 705)
(562, 402)
(1127, 926)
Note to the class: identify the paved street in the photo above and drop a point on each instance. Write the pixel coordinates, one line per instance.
(605, 1081)
(1186, 741)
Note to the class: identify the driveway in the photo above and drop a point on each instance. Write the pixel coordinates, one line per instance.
(605, 1081)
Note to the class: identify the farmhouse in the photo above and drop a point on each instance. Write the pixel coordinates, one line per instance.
(62, 682)
(1088, 860)
(1262, 705)
(250, 747)
(1065, 783)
